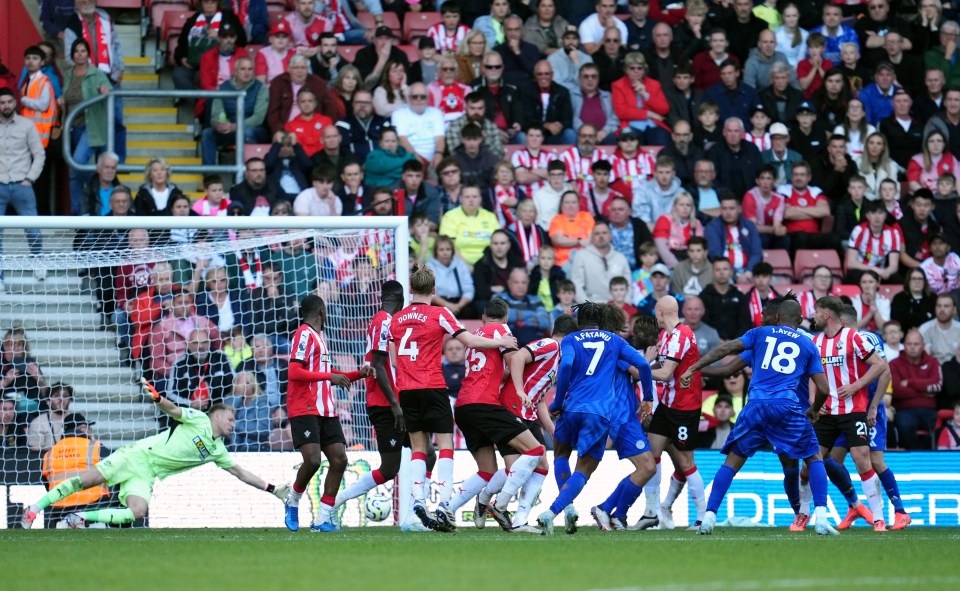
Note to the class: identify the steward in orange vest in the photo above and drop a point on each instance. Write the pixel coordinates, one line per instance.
(72, 456)
(36, 95)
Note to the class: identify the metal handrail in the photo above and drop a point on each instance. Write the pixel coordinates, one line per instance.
(111, 97)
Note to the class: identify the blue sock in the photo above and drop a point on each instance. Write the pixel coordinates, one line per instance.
(840, 478)
(628, 496)
(561, 470)
(568, 492)
(889, 482)
(721, 484)
(791, 486)
(818, 482)
(612, 501)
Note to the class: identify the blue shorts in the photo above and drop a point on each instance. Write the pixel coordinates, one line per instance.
(630, 439)
(780, 424)
(585, 432)
(878, 433)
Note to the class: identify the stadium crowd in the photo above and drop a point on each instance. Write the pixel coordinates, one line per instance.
(546, 153)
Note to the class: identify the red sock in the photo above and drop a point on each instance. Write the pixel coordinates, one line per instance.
(542, 471)
(537, 451)
(418, 455)
(486, 476)
(868, 475)
(328, 500)
(298, 491)
(689, 472)
(378, 477)
(446, 454)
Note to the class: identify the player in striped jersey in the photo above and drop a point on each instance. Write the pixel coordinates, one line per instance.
(850, 364)
(312, 409)
(531, 162)
(873, 245)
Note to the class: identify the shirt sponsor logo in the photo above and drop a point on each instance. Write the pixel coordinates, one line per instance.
(201, 447)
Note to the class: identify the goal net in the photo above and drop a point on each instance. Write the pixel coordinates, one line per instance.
(204, 308)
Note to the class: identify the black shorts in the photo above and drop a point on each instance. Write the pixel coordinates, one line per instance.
(853, 425)
(484, 425)
(313, 429)
(680, 427)
(388, 438)
(534, 427)
(427, 410)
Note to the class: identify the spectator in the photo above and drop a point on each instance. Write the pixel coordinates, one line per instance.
(199, 35)
(763, 207)
(420, 126)
(901, 130)
(202, 376)
(307, 127)
(639, 102)
(924, 29)
(545, 28)
(915, 305)
(874, 246)
(156, 192)
(451, 184)
(253, 423)
(331, 154)
(469, 226)
(609, 58)
(744, 28)
(935, 159)
(566, 296)
(413, 195)
(722, 301)
(492, 270)
(627, 233)
(833, 172)
(874, 29)
(320, 198)
(751, 308)
(656, 199)
(820, 286)
(372, 59)
(274, 59)
(345, 86)
(327, 62)
(873, 309)
(695, 272)
(733, 236)
(719, 422)
(455, 289)
(505, 196)
(835, 32)
(214, 201)
(791, 38)
(47, 428)
(706, 64)
(476, 114)
(915, 378)
(932, 100)
(352, 189)
(704, 191)
(219, 304)
(253, 193)
(12, 432)
(362, 130)
(527, 318)
(448, 33)
(683, 98)
(943, 56)
(660, 279)
(594, 106)
(269, 370)
(593, 27)
(470, 56)
(642, 285)
(493, 25)
(454, 366)
(736, 160)
(519, 57)
(805, 207)
(632, 167)
(385, 163)
(941, 336)
(681, 149)
(673, 230)
(892, 337)
(619, 291)
(707, 336)
(87, 21)
(640, 27)
(169, 337)
(390, 94)
(546, 278)
(596, 264)
(875, 164)
(20, 374)
(282, 101)
(949, 437)
(758, 69)
(306, 27)
(877, 97)
(580, 158)
(734, 98)
(568, 62)
(217, 66)
(274, 311)
(554, 110)
(280, 437)
(224, 113)
(855, 127)
(96, 192)
(571, 228)
(808, 136)
(942, 269)
(662, 57)
(503, 105)
(547, 197)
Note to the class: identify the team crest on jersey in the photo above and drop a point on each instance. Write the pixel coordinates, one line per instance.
(201, 447)
(393, 442)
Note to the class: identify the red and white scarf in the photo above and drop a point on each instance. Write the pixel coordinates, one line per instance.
(505, 213)
(529, 245)
(240, 8)
(251, 278)
(100, 57)
(756, 305)
(200, 26)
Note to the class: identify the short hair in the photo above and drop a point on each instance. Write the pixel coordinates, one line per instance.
(664, 161)
(684, 68)
(422, 281)
(728, 63)
(697, 241)
(619, 280)
(412, 166)
(948, 176)
(589, 314)
(645, 332)
(327, 35)
(566, 285)
(310, 306)
(565, 324)
(612, 319)
(848, 314)
(35, 50)
(211, 179)
(766, 169)
(254, 160)
(601, 165)
(870, 206)
(763, 268)
(556, 165)
(323, 173)
(121, 189)
(648, 247)
(833, 304)
(722, 261)
(837, 137)
(218, 407)
(536, 126)
(816, 40)
(471, 131)
(473, 97)
(7, 92)
(708, 107)
(496, 309)
(857, 178)
(450, 7)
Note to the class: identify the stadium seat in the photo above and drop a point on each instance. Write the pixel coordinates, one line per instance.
(160, 7)
(944, 414)
(390, 19)
(282, 4)
(607, 151)
(851, 291)
(169, 33)
(780, 261)
(804, 262)
(796, 288)
(413, 54)
(472, 325)
(276, 13)
(416, 24)
(826, 225)
(137, 4)
(349, 52)
(255, 151)
(653, 150)
(890, 290)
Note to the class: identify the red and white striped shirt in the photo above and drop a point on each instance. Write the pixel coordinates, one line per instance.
(844, 362)
(808, 302)
(734, 248)
(873, 250)
(538, 376)
(756, 304)
(634, 172)
(524, 159)
(762, 143)
(763, 212)
(444, 41)
(484, 369)
(578, 167)
(377, 245)
(310, 398)
(378, 339)
(942, 278)
(680, 345)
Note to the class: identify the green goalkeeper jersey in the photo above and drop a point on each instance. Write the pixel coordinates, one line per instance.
(185, 446)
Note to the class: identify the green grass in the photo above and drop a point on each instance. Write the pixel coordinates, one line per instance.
(489, 560)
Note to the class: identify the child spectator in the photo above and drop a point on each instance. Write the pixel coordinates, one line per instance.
(847, 213)
(320, 198)
(273, 60)
(763, 206)
(421, 240)
(758, 134)
(874, 246)
(215, 201)
(619, 290)
(810, 71)
(600, 195)
(547, 197)
(890, 197)
(546, 277)
(892, 339)
(449, 33)
(946, 186)
(476, 160)
(641, 285)
(506, 194)
(566, 297)
(236, 348)
(707, 131)
(950, 434)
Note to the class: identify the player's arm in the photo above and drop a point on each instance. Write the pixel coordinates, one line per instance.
(379, 361)
(666, 369)
(543, 415)
(563, 376)
(645, 377)
(298, 372)
(477, 342)
(516, 364)
(729, 348)
(258, 483)
(878, 395)
(823, 391)
(165, 406)
(877, 366)
(726, 369)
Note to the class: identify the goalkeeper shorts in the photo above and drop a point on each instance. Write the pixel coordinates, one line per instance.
(130, 468)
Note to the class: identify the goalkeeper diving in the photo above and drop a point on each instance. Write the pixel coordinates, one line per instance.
(194, 439)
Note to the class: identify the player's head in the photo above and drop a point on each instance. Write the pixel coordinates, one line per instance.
(564, 324)
(423, 282)
(790, 313)
(313, 311)
(589, 314)
(645, 332)
(496, 310)
(771, 309)
(827, 308)
(849, 316)
(613, 320)
(222, 419)
(391, 295)
(667, 309)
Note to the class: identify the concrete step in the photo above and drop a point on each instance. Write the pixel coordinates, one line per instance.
(102, 393)
(137, 116)
(94, 376)
(159, 102)
(159, 136)
(27, 304)
(137, 64)
(116, 434)
(17, 282)
(45, 320)
(164, 149)
(48, 339)
(167, 128)
(193, 160)
(141, 82)
(77, 353)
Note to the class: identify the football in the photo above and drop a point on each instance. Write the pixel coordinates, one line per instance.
(377, 507)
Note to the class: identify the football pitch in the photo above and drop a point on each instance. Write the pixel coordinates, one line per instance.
(384, 558)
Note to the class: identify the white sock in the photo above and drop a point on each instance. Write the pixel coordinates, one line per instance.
(493, 487)
(293, 499)
(418, 478)
(519, 473)
(806, 497)
(676, 487)
(528, 496)
(469, 488)
(871, 489)
(651, 493)
(362, 486)
(698, 494)
(445, 477)
(323, 513)
(821, 514)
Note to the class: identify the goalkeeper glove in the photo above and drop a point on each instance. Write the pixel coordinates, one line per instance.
(281, 492)
(149, 390)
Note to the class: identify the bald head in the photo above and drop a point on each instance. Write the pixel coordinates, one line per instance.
(668, 312)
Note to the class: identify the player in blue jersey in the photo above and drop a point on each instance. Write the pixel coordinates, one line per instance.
(782, 360)
(585, 396)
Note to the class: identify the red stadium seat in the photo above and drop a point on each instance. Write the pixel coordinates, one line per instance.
(780, 261)
(509, 149)
(276, 13)
(890, 290)
(281, 4)
(255, 151)
(851, 291)
(804, 262)
(160, 7)
(416, 24)
(172, 23)
(119, 4)
(349, 52)
(826, 226)
(390, 19)
(413, 54)
(654, 150)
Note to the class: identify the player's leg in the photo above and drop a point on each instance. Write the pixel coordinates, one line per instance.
(688, 467)
(721, 484)
(855, 427)
(389, 442)
(531, 452)
(632, 486)
(840, 477)
(136, 508)
(878, 444)
(336, 454)
(791, 481)
(591, 439)
(818, 490)
(651, 512)
(90, 478)
(677, 481)
(529, 493)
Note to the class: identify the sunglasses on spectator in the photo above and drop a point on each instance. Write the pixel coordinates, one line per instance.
(418, 97)
(448, 69)
(493, 66)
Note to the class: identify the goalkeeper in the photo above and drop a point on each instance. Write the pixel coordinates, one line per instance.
(194, 439)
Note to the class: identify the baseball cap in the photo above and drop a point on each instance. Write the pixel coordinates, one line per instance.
(571, 30)
(806, 106)
(281, 27)
(227, 29)
(884, 65)
(73, 421)
(779, 129)
(383, 31)
(758, 108)
(628, 132)
(660, 268)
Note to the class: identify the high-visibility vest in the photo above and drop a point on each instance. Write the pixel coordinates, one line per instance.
(44, 121)
(70, 457)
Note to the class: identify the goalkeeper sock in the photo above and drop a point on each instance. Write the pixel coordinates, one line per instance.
(721, 484)
(493, 487)
(652, 494)
(697, 491)
(628, 496)
(791, 486)
(294, 499)
(889, 482)
(469, 488)
(111, 516)
(676, 487)
(362, 486)
(561, 470)
(60, 492)
(610, 504)
(571, 488)
(840, 477)
(445, 474)
(528, 496)
(418, 476)
(325, 509)
(520, 472)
